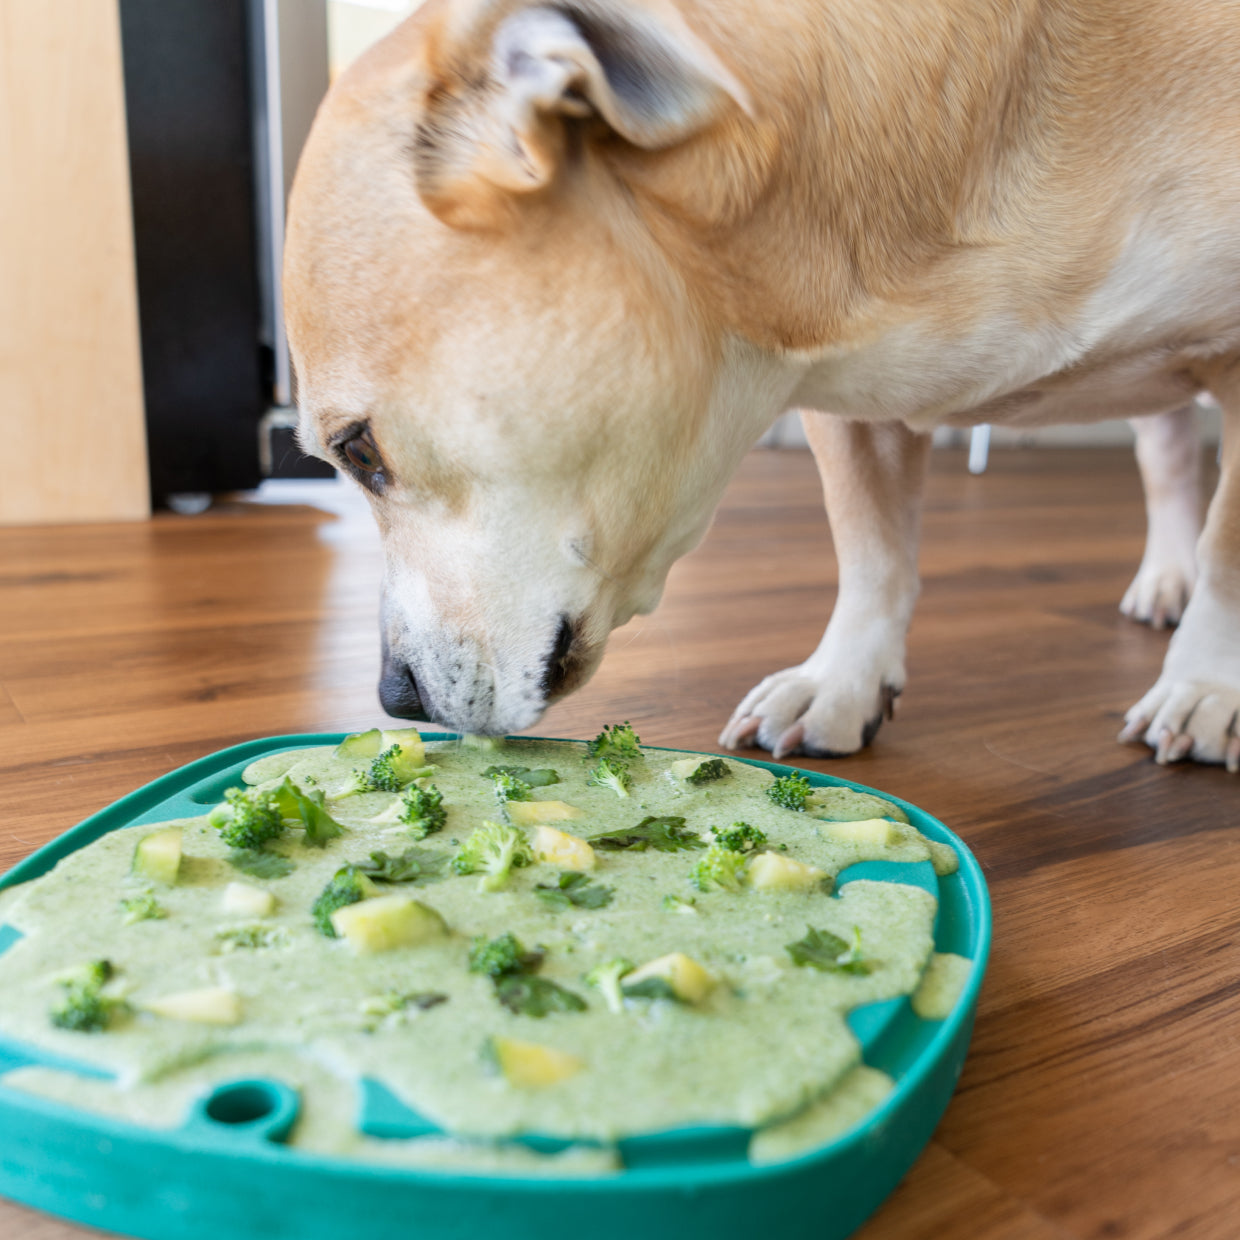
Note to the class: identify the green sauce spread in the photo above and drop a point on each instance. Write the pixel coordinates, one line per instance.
(763, 1045)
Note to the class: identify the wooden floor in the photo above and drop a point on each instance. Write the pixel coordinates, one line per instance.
(1102, 1094)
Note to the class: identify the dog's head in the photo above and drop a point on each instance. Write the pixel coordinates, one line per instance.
(490, 337)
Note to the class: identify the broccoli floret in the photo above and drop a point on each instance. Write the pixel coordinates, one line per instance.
(84, 1008)
(509, 788)
(617, 741)
(606, 977)
(708, 771)
(719, 869)
(422, 810)
(247, 819)
(609, 773)
(142, 907)
(790, 791)
(382, 775)
(493, 849)
(740, 837)
(348, 886)
(502, 957)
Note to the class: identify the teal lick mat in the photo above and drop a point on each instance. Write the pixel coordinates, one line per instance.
(224, 1173)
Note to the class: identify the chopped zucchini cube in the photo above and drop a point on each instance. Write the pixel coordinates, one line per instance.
(214, 1005)
(412, 750)
(386, 922)
(247, 901)
(361, 745)
(158, 855)
(528, 813)
(770, 871)
(687, 980)
(682, 768)
(560, 848)
(870, 832)
(528, 1065)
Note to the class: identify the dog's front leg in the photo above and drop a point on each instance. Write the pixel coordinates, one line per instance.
(1194, 708)
(834, 702)
(1169, 455)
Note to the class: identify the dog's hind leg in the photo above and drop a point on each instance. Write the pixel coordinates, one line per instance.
(1169, 455)
(834, 702)
(1194, 708)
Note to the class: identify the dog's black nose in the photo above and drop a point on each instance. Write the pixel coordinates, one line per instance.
(398, 691)
(560, 661)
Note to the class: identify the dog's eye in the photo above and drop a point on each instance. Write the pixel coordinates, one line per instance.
(363, 453)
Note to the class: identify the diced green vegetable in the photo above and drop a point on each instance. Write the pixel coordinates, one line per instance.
(158, 856)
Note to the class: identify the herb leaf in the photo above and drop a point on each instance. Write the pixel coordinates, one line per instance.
(828, 953)
(258, 863)
(536, 996)
(412, 865)
(310, 810)
(574, 890)
(538, 778)
(649, 988)
(667, 834)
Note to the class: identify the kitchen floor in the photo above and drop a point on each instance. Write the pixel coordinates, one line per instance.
(1102, 1095)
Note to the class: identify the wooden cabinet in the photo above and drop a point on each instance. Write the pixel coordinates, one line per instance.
(72, 433)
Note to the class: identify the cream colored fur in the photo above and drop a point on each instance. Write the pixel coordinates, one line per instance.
(564, 261)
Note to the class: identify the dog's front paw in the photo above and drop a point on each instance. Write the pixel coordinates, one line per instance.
(1159, 592)
(807, 710)
(1184, 718)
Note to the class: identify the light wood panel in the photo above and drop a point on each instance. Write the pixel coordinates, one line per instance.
(1101, 1097)
(71, 413)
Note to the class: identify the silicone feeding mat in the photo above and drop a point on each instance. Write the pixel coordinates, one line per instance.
(225, 1172)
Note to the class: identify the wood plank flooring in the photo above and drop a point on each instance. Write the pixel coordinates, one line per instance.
(1102, 1094)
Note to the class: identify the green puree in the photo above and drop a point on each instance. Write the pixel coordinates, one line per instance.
(766, 1042)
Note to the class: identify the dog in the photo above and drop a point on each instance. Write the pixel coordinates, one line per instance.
(552, 266)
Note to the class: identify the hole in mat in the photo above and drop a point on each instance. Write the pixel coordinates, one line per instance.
(242, 1104)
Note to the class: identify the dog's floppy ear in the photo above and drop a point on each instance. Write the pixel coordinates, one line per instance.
(507, 78)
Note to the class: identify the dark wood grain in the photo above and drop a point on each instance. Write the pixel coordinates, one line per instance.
(1102, 1094)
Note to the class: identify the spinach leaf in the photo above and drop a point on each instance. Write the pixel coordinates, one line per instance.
(258, 863)
(535, 996)
(574, 890)
(666, 834)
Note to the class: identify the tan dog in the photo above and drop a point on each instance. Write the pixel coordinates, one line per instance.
(553, 267)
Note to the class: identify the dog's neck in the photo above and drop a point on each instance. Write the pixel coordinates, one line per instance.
(873, 151)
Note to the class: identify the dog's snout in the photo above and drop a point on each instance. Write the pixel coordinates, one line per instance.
(560, 662)
(398, 691)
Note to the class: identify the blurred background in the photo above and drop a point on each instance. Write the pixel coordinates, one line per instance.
(146, 154)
